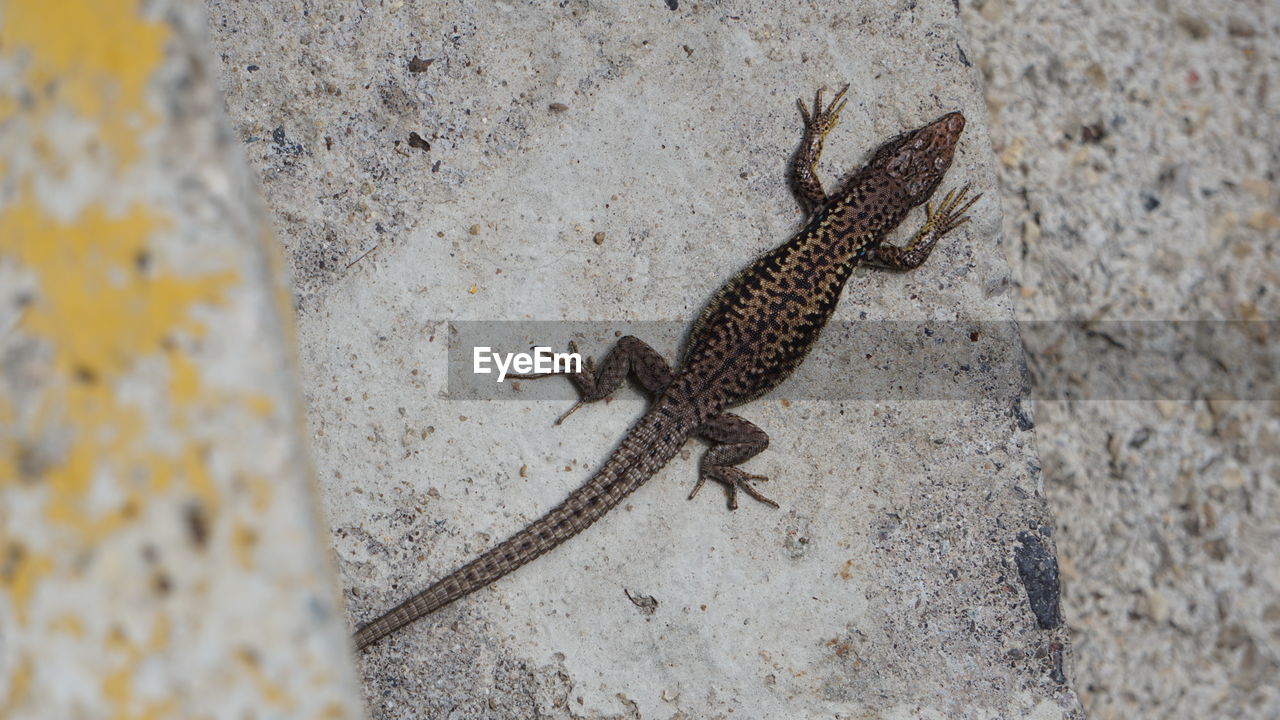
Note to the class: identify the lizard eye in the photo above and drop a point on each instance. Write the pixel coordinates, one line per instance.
(938, 162)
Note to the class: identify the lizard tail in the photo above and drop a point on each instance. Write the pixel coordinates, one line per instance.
(649, 445)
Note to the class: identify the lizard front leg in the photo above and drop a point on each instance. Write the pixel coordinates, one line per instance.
(736, 441)
(949, 216)
(630, 355)
(804, 178)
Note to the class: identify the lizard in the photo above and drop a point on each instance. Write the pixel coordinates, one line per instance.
(754, 332)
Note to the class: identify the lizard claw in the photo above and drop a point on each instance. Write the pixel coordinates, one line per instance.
(950, 213)
(824, 120)
(733, 480)
(568, 412)
(589, 364)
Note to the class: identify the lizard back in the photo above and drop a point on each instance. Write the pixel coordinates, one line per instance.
(759, 326)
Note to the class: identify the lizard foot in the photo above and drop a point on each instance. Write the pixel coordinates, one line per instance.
(733, 480)
(590, 367)
(950, 213)
(823, 120)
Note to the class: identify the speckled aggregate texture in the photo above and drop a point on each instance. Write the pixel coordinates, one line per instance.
(467, 161)
(1139, 148)
(161, 550)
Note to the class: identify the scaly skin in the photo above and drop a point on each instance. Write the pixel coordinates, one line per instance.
(754, 333)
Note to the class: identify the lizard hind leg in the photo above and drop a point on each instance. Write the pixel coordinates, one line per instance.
(736, 441)
(630, 356)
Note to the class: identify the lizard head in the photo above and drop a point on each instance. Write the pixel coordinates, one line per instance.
(915, 162)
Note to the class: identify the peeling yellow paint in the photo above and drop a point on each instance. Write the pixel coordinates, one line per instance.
(184, 383)
(74, 58)
(8, 444)
(272, 692)
(261, 490)
(160, 634)
(333, 711)
(114, 443)
(243, 542)
(102, 307)
(106, 310)
(261, 405)
(68, 624)
(195, 469)
(19, 687)
(119, 685)
(28, 568)
(95, 297)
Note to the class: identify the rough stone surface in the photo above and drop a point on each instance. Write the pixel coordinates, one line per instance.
(161, 550)
(1138, 172)
(441, 162)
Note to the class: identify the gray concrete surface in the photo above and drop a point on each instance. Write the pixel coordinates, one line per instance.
(1139, 159)
(162, 553)
(886, 586)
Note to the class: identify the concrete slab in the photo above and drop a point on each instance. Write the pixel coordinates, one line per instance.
(1141, 181)
(161, 549)
(449, 162)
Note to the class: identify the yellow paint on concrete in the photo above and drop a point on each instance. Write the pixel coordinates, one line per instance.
(104, 305)
(107, 310)
(272, 692)
(333, 711)
(8, 442)
(27, 568)
(261, 405)
(119, 685)
(243, 542)
(19, 687)
(74, 57)
(184, 379)
(160, 634)
(118, 320)
(262, 490)
(98, 296)
(195, 470)
(69, 625)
